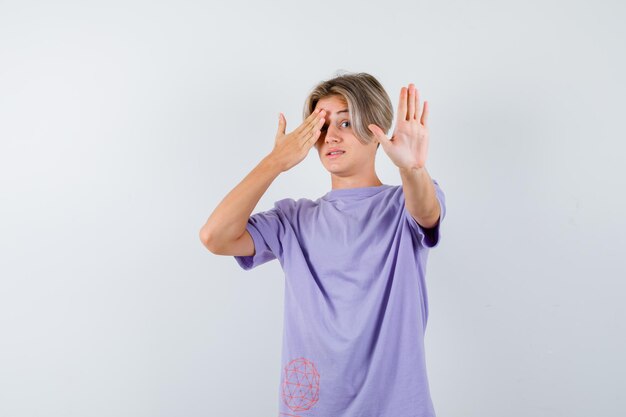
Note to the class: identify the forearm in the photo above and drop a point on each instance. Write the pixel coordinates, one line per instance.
(420, 196)
(228, 220)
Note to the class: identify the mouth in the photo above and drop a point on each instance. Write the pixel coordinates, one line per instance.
(335, 154)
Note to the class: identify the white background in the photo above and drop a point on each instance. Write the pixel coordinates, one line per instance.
(124, 123)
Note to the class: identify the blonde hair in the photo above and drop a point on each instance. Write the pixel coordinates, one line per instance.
(368, 102)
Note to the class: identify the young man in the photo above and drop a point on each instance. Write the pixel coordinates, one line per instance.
(356, 303)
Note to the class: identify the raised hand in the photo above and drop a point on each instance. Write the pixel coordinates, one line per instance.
(408, 146)
(290, 149)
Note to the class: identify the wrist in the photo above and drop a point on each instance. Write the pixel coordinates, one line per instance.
(412, 170)
(270, 164)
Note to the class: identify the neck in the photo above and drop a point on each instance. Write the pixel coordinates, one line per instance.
(347, 182)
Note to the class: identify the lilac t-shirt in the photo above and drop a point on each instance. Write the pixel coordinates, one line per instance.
(356, 304)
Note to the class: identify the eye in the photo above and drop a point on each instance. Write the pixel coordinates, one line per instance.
(325, 128)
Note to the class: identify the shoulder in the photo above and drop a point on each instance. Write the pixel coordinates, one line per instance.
(291, 207)
(399, 191)
(394, 192)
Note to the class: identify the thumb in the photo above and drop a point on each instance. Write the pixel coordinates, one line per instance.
(282, 123)
(378, 133)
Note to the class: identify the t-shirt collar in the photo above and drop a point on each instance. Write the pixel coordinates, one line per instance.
(358, 192)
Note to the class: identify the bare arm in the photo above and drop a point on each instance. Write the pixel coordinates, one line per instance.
(408, 149)
(420, 196)
(228, 221)
(225, 233)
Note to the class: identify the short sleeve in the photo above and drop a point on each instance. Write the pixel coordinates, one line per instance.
(267, 229)
(427, 237)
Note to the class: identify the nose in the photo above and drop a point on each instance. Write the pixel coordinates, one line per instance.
(331, 135)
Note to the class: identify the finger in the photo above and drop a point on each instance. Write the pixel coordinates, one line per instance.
(306, 122)
(424, 120)
(411, 101)
(402, 108)
(418, 112)
(313, 127)
(314, 132)
(312, 122)
(311, 139)
(282, 124)
(378, 133)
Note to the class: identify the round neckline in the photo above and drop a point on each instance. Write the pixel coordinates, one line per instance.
(355, 192)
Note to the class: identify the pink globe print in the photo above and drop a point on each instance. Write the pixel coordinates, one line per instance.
(301, 384)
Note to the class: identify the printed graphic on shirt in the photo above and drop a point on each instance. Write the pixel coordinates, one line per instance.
(301, 385)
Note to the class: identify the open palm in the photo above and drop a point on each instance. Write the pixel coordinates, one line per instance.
(408, 146)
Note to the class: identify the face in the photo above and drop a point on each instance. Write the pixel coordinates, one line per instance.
(358, 158)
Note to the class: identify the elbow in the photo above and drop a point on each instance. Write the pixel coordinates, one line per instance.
(212, 244)
(433, 220)
(428, 222)
(205, 238)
